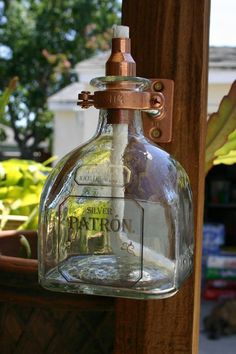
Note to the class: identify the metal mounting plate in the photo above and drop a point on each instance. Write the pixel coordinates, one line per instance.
(158, 128)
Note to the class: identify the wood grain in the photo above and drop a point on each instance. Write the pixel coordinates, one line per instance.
(170, 40)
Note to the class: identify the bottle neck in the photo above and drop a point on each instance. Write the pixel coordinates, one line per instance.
(130, 120)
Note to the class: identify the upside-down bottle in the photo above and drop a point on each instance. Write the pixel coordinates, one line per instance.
(116, 214)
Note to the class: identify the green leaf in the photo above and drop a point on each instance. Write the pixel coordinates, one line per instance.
(220, 126)
(228, 146)
(228, 159)
(31, 222)
(50, 160)
(29, 199)
(13, 176)
(3, 192)
(4, 214)
(25, 250)
(13, 192)
(4, 98)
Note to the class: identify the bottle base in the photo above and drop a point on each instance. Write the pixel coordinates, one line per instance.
(85, 289)
(55, 281)
(115, 271)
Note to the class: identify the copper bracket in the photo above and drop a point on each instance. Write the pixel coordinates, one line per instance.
(158, 127)
(156, 104)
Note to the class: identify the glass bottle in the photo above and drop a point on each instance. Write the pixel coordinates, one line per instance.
(116, 214)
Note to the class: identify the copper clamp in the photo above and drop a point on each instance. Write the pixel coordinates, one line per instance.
(156, 105)
(122, 99)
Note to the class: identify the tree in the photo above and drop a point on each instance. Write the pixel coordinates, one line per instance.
(40, 41)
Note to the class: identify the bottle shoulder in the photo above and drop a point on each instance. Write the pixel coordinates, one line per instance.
(141, 168)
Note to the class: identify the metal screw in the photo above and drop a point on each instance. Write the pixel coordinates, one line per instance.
(158, 86)
(155, 133)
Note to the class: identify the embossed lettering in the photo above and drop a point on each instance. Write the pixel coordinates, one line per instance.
(98, 224)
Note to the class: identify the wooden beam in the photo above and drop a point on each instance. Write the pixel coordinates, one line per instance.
(170, 40)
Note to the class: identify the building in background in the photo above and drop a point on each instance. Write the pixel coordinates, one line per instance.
(222, 73)
(72, 124)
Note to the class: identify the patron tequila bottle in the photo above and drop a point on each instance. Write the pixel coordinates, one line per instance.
(116, 214)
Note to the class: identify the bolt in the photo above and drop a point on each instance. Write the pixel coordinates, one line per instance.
(155, 133)
(158, 86)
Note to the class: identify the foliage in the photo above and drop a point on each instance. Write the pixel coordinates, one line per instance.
(221, 133)
(40, 42)
(21, 183)
(227, 154)
(4, 99)
(25, 249)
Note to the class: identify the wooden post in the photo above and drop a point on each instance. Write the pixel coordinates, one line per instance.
(170, 40)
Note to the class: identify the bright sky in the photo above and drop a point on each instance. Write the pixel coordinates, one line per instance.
(223, 23)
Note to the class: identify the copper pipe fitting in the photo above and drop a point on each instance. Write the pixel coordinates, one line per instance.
(121, 63)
